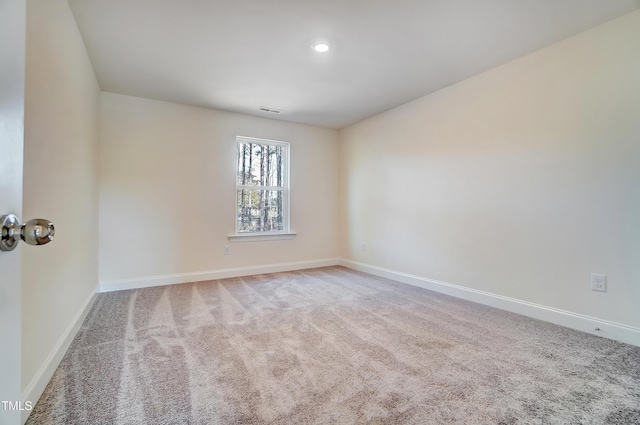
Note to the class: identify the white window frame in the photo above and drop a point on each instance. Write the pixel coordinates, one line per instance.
(271, 234)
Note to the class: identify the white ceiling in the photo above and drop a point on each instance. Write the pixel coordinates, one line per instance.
(238, 55)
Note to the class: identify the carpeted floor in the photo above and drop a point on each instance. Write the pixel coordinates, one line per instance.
(331, 346)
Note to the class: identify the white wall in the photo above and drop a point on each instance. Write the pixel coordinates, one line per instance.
(520, 181)
(167, 190)
(60, 179)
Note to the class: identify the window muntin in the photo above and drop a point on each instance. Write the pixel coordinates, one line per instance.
(262, 186)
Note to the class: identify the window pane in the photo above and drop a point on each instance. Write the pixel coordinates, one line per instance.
(260, 210)
(260, 164)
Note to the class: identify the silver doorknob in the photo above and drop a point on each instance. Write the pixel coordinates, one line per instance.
(34, 232)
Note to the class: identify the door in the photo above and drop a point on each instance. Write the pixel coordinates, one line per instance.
(12, 74)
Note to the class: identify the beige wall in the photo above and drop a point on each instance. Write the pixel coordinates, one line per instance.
(520, 181)
(167, 190)
(60, 178)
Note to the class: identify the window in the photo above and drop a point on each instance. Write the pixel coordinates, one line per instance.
(262, 187)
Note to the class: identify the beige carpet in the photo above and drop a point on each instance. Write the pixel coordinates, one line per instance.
(331, 346)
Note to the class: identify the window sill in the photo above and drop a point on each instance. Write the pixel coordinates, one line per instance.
(256, 237)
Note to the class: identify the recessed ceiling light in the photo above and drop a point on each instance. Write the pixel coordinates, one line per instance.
(321, 47)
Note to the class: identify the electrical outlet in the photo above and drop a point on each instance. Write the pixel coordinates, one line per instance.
(598, 282)
(227, 250)
(363, 246)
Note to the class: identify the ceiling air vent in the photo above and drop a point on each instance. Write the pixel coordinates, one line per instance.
(271, 110)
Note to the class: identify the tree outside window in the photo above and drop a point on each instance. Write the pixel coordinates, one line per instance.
(262, 186)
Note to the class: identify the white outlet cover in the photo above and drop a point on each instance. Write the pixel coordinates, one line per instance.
(598, 282)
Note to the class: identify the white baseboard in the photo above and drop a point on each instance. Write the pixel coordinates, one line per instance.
(36, 387)
(607, 329)
(172, 279)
